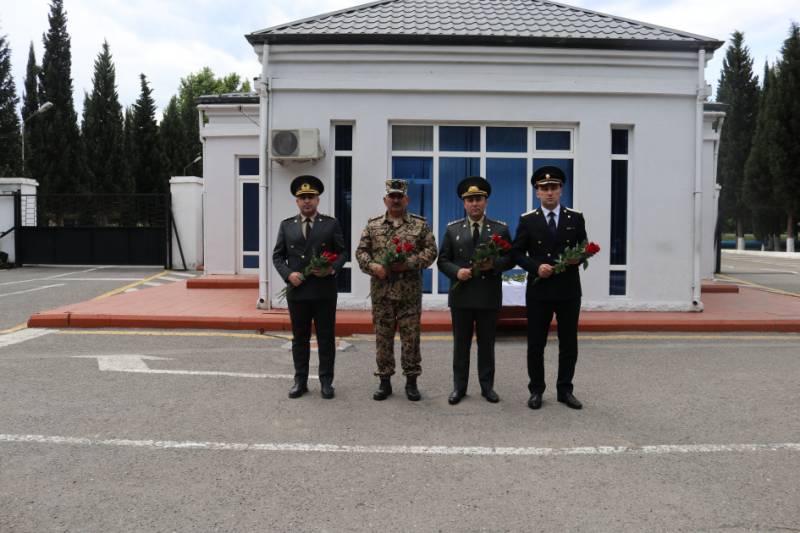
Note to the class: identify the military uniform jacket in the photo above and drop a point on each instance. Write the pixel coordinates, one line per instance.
(376, 239)
(484, 291)
(293, 253)
(534, 246)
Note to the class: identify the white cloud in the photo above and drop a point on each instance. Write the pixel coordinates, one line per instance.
(166, 40)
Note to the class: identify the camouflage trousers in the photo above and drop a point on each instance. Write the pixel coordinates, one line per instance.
(389, 316)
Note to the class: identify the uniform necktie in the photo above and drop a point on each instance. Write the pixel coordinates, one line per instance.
(306, 227)
(475, 234)
(552, 224)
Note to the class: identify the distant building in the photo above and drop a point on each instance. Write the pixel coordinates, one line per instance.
(433, 91)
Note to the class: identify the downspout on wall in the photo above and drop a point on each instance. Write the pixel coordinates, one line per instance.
(264, 179)
(697, 195)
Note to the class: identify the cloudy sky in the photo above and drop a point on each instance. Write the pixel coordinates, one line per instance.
(167, 39)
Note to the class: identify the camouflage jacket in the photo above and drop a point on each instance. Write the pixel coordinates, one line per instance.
(376, 239)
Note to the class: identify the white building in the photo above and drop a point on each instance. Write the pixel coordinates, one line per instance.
(433, 91)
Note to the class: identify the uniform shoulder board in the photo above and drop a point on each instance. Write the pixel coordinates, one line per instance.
(418, 217)
(328, 217)
(499, 222)
(573, 210)
(291, 218)
(459, 221)
(531, 212)
(374, 219)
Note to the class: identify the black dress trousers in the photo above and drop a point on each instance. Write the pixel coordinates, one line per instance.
(540, 314)
(484, 322)
(323, 314)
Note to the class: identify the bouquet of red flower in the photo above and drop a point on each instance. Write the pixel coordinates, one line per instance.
(398, 254)
(321, 261)
(580, 252)
(489, 250)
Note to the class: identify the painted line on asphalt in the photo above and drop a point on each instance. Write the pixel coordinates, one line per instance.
(183, 274)
(131, 285)
(171, 334)
(757, 286)
(32, 290)
(23, 335)
(662, 449)
(775, 270)
(47, 278)
(15, 328)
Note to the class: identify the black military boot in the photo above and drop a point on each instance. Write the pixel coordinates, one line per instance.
(412, 392)
(384, 389)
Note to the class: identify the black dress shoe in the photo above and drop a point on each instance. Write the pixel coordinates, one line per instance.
(491, 396)
(326, 390)
(298, 389)
(569, 400)
(535, 401)
(412, 392)
(455, 396)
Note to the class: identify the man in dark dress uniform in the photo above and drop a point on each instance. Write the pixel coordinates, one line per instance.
(542, 235)
(476, 301)
(312, 297)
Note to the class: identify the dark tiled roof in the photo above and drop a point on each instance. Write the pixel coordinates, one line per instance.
(715, 106)
(229, 98)
(480, 22)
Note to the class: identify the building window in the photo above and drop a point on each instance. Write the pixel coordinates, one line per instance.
(343, 196)
(618, 249)
(434, 158)
(247, 179)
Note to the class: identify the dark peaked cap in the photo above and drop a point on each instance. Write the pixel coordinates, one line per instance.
(306, 185)
(474, 186)
(548, 176)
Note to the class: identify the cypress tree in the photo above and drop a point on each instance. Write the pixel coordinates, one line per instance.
(128, 184)
(30, 103)
(102, 129)
(785, 153)
(738, 88)
(61, 155)
(147, 166)
(173, 140)
(10, 145)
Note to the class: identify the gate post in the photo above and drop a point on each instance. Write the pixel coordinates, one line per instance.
(17, 227)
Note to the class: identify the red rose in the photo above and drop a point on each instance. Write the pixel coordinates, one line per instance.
(496, 238)
(395, 240)
(592, 248)
(399, 249)
(505, 245)
(408, 247)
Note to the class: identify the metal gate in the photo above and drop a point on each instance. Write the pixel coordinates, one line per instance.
(93, 229)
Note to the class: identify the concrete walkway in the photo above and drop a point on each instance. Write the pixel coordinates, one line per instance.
(229, 303)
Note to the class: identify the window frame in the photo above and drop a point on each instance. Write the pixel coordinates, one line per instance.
(241, 179)
(628, 226)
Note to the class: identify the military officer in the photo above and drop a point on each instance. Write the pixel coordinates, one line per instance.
(313, 297)
(396, 291)
(541, 237)
(475, 303)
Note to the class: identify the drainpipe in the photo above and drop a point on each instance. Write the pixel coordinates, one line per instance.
(264, 179)
(697, 195)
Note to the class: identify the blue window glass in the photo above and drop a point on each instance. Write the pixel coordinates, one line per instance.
(412, 138)
(343, 280)
(344, 137)
(552, 140)
(343, 200)
(566, 166)
(506, 139)
(248, 166)
(250, 261)
(509, 181)
(619, 212)
(619, 142)
(419, 173)
(459, 138)
(250, 217)
(617, 282)
(451, 171)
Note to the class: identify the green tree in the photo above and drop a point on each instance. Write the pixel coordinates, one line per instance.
(785, 153)
(60, 156)
(10, 145)
(173, 141)
(738, 87)
(128, 182)
(102, 129)
(191, 88)
(30, 103)
(758, 179)
(147, 166)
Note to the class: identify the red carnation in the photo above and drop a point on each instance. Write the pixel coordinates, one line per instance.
(395, 240)
(408, 247)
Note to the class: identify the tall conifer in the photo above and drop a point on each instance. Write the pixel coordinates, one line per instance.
(10, 146)
(147, 166)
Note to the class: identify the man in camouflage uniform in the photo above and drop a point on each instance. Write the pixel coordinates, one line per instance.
(396, 291)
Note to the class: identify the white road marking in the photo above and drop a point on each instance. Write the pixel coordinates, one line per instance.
(133, 289)
(48, 277)
(31, 290)
(23, 335)
(152, 283)
(182, 274)
(167, 278)
(137, 364)
(779, 271)
(662, 449)
(99, 279)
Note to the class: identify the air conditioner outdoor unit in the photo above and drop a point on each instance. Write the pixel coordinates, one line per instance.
(295, 145)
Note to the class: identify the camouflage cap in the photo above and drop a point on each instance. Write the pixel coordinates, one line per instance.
(394, 186)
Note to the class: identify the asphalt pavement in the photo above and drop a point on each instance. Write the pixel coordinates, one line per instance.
(773, 271)
(678, 433)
